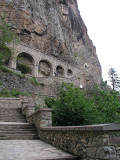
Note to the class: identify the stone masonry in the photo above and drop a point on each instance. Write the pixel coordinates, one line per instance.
(92, 142)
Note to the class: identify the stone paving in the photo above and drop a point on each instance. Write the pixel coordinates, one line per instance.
(30, 150)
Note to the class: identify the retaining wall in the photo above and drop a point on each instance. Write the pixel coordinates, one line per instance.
(95, 142)
(10, 103)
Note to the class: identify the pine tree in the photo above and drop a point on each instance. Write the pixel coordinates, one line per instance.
(114, 79)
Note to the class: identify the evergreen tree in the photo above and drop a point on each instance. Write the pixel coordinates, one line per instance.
(114, 79)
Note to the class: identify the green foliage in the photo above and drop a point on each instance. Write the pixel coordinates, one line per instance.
(34, 81)
(5, 53)
(12, 93)
(6, 37)
(24, 68)
(38, 107)
(107, 106)
(0, 83)
(76, 55)
(71, 107)
(5, 69)
(74, 106)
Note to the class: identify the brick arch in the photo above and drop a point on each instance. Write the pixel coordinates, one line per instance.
(25, 63)
(45, 68)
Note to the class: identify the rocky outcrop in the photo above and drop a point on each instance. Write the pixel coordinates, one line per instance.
(56, 28)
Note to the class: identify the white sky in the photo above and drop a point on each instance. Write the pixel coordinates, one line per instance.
(102, 18)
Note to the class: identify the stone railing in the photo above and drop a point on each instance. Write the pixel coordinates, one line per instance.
(94, 142)
(10, 103)
(40, 118)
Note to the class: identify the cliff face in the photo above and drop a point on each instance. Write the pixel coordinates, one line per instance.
(56, 28)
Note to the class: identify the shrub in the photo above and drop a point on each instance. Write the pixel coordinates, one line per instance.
(71, 107)
(74, 106)
(34, 81)
(12, 93)
(24, 68)
(107, 104)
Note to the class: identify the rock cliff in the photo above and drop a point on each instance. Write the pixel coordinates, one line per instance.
(56, 28)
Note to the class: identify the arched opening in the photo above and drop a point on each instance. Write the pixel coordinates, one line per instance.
(25, 63)
(45, 68)
(60, 71)
(69, 72)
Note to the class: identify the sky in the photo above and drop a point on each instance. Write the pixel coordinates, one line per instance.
(102, 18)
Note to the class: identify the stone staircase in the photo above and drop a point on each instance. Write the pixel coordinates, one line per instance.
(13, 125)
(19, 140)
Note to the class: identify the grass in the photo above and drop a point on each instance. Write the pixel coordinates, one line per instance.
(12, 93)
(34, 81)
(7, 70)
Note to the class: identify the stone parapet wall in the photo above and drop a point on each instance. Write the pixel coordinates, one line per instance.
(94, 142)
(53, 80)
(40, 118)
(10, 103)
(35, 99)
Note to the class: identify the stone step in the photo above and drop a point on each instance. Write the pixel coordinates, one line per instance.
(15, 124)
(12, 120)
(17, 127)
(11, 115)
(10, 110)
(18, 132)
(18, 137)
(59, 158)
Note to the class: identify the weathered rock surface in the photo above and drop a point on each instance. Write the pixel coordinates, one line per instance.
(55, 27)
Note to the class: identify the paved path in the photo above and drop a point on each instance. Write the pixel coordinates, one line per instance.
(29, 150)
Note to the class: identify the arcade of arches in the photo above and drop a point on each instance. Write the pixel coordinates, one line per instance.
(26, 64)
(31, 61)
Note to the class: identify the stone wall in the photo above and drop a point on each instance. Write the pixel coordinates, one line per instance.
(36, 100)
(10, 81)
(53, 80)
(10, 103)
(40, 118)
(94, 142)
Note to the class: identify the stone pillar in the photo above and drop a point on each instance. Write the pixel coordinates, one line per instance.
(53, 69)
(23, 105)
(36, 70)
(65, 73)
(41, 118)
(28, 110)
(12, 62)
(46, 117)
